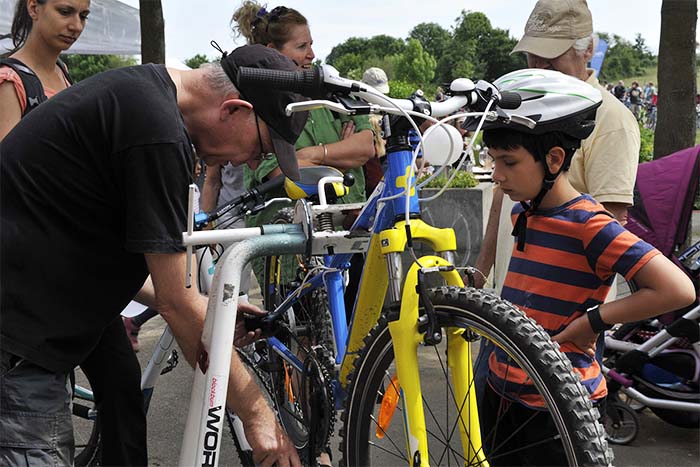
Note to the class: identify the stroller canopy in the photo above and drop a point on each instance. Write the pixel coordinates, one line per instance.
(663, 199)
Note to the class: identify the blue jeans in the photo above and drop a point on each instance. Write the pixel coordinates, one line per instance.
(35, 414)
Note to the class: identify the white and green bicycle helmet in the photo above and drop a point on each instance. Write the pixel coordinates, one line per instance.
(556, 103)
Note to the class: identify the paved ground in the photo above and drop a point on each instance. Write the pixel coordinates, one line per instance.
(658, 444)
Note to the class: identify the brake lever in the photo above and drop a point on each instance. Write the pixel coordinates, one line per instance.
(317, 104)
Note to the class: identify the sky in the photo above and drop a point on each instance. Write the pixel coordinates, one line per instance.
(191, 25)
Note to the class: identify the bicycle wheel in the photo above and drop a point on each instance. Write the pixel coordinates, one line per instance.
(480, 314)
(621, 423)
(86, 433)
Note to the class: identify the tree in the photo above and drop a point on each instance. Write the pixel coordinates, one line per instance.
(350, 65)
(622, 58)
(434, 38)
(196, 61)
(84, 66)
(383, 45)
(152, 31)
(646, 57)
(675, 125)
(415, 65)
(354, 45)
(478, 50)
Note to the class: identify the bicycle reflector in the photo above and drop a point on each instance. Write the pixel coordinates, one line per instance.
(390, 400)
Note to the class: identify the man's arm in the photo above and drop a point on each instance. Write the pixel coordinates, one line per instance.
(487, 253)
(184, 310)
(619, 210)
(211, 188)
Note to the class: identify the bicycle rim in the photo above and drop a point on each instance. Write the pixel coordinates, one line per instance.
(581, 437)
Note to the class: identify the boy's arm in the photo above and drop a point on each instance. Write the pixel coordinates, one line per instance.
(487, 253)
(663, 287)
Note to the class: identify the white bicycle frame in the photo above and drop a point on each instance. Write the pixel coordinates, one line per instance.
(202, 437)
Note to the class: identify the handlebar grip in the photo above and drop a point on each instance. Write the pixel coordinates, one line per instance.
(509, 100)
(306, 82)
(271, 184)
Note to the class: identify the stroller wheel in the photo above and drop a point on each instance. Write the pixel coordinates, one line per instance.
(621, 423)
(632, 403)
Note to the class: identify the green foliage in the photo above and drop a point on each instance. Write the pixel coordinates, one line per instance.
(624, 58)
(400, 89)
(197, 61)
(646, 148)
(463, 179)
(375, 47)
(350, 65)
(84, 66)
(415, 65)
(473, 48)
(478, 50)
(434, 38)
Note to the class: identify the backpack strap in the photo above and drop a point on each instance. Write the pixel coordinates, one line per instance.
(31, 82)
(64, 70)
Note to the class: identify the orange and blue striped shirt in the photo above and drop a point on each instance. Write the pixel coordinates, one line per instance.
(571, 255)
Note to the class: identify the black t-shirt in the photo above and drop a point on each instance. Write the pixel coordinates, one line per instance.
(619, 91)
(635, 95)
(90, 181)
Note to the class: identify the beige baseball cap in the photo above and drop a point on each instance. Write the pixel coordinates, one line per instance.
(554, 26)
(376, 77)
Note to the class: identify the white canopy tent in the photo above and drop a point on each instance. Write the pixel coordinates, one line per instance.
(113, 29)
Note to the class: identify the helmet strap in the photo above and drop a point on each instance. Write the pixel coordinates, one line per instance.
(520, 227)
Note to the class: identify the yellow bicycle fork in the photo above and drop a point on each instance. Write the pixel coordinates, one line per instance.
(384, 251)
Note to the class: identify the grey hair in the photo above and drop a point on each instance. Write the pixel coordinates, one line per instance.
(217, 79)
(583, 44)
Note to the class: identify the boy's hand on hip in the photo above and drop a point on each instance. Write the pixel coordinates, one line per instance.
(580, 334)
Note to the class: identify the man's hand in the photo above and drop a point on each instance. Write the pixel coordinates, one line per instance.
(270, 444)
(580, 334)
(241, 336)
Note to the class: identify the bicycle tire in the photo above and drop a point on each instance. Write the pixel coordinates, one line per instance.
(86, 433)
(507, 327)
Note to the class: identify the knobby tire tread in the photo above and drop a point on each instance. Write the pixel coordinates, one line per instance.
(455, 305)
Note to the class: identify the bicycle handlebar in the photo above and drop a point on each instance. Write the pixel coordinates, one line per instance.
(320, 81)
(247, 201)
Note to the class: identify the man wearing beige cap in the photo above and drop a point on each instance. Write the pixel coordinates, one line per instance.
(559, 36)
(376, 77)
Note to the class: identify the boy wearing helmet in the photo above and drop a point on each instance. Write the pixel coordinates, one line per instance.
(566, 254)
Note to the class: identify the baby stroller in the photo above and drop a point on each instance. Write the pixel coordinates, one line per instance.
(656, 363)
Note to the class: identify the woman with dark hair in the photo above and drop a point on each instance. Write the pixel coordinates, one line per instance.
(30, 74)
(41, 30)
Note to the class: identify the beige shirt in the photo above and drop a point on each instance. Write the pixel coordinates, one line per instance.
(605, 167)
